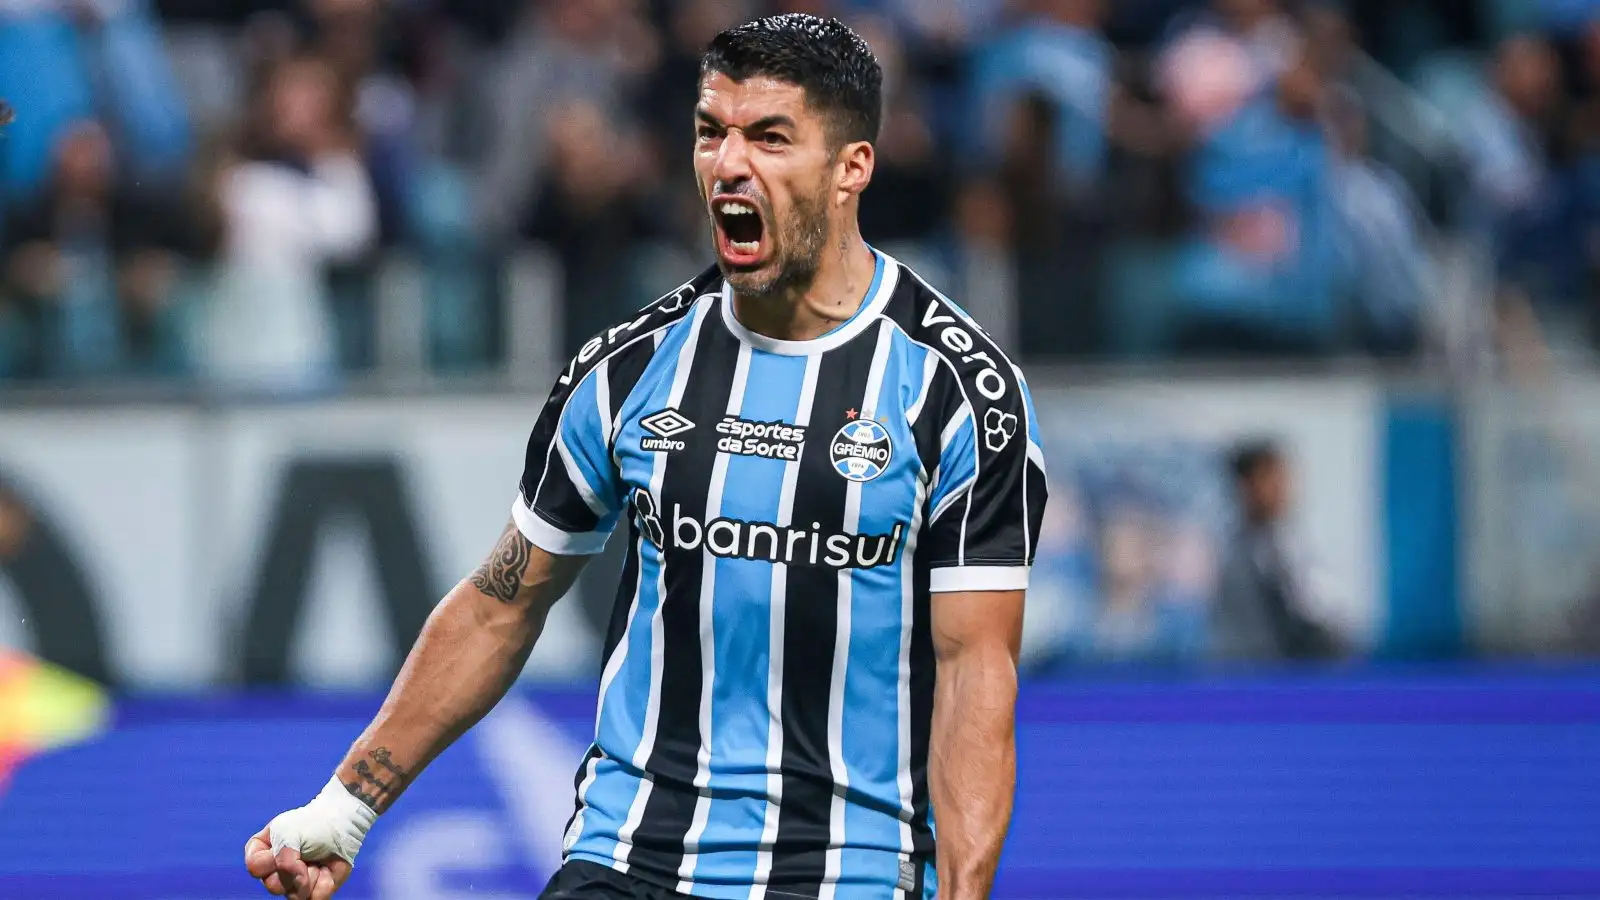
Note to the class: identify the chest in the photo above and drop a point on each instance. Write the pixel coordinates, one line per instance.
(782, 451)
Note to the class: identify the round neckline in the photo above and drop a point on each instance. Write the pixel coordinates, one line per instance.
(884, 278)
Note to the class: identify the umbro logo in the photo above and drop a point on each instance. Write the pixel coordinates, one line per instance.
(666, 425)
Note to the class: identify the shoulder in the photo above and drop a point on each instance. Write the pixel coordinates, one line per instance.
(980, 374)
(635, 335)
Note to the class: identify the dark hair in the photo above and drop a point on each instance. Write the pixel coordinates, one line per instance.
(1249, 457)
(831, 63)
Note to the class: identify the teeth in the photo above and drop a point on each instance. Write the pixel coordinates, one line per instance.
(735, 209)
(745, 246)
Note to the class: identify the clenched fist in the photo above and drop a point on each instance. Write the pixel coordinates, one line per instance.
(307, 853)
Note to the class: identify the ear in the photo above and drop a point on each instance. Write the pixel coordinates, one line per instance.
(856, 160)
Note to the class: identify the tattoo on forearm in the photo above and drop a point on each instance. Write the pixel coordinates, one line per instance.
(500, 576)
(380, 785)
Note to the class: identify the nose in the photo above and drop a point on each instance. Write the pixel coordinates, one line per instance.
(733, 161)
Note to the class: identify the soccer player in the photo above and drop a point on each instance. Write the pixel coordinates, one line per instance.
(832, 485)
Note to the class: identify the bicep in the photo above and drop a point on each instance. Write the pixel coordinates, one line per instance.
(964, 622)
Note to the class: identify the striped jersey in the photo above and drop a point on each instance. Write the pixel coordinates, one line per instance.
(767, 686)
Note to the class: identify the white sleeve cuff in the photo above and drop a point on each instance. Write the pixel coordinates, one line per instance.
(978, 578)
(551, 539)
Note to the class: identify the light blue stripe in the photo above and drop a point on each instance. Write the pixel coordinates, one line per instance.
(742, 622)
(620, 729)
(871, 739)
(956, 463)
(1033, 416)
(586, 444)
(605, 810)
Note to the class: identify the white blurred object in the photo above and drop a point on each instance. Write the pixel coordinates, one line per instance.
(269, 322)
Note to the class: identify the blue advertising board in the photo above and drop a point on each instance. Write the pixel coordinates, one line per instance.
(1337, 784)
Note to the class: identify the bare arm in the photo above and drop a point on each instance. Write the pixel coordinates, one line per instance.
(972, 761)
(468, 655)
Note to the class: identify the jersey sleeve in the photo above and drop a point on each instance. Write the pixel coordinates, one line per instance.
(987, 494)
(569, 498)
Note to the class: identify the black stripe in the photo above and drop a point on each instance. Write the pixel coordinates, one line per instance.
(924, 672)
(624, 371)
(903, 305)
(658, 841)
(809, 629)
(944, 397)
(941, 540)
(556, 498)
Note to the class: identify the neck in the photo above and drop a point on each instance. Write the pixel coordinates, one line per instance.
(812, 310)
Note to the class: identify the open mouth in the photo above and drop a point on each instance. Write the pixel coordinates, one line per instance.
(739, 230)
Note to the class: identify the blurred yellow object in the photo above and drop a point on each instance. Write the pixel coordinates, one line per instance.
(43, 707)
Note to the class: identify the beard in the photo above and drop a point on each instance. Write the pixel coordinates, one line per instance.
(798, 243)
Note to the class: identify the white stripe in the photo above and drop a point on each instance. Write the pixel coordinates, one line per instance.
(708, 641)
(834, 859)
(930, 367)
(1027, 526)
(903, 686)
(775, 638)
(652, 715)
(977, 578)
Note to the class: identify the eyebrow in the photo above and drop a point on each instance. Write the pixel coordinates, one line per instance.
(761, 124)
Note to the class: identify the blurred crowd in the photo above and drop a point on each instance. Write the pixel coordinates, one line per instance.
(223, 191)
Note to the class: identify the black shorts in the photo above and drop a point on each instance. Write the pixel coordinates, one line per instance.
(580, 880)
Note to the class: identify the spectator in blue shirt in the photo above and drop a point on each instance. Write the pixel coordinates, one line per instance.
(1261, 277)
(1056, 52)
(95, 58)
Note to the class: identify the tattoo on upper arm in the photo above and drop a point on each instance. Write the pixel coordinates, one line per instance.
(380, 785)
(500, 576)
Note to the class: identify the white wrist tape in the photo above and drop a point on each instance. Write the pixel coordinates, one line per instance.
(332, 824)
